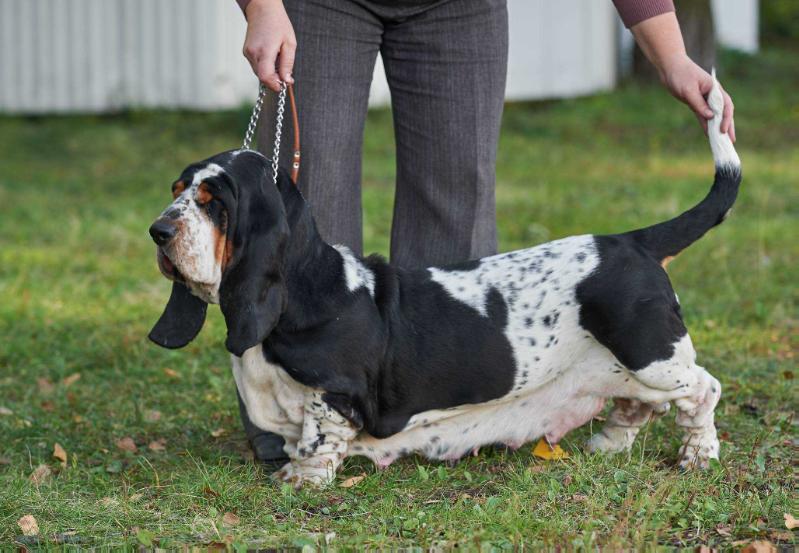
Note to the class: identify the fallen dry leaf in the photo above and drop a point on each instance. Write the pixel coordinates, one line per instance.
(108, 501)
(45, 386)
(71, 379)
(536, 469)
(759, 546)
(60, 454)
(5, 461)
(790, 521)
(543, 450)
(127, 444)
(157, 445)
(580, 497)
(135, 497)
(724, 530)
(351, 481)
(6, 411)
(171, 373)
(28, 525)
(218, 432)
(152, 415)
(40, 474)
(230, 519)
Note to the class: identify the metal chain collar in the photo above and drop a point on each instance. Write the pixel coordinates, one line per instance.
(256, 112)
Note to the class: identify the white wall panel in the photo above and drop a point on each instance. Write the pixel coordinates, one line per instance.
(737, 24)
(102, 55)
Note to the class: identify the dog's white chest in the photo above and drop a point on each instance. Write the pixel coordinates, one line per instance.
(274, 400)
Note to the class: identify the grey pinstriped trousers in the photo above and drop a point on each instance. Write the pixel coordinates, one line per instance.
(446, 64)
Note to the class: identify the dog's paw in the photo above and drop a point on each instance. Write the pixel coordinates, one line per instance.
(307, 472)
(660, 409)
(612, 440)
(698, 449)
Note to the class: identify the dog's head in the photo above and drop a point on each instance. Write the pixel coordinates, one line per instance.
(222, 240)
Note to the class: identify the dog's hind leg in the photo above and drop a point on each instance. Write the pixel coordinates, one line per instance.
(696, 415)
(324, 443)
(623, 424)
(695, 393)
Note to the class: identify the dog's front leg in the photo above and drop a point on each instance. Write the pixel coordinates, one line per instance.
(325, 439)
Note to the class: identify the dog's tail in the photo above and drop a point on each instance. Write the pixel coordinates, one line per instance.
(665, 240)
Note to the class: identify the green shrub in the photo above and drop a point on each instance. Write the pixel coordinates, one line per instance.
(779, 19)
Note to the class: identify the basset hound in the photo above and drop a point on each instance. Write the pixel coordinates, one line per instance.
(343, 355)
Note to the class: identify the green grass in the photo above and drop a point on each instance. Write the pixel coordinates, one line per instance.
(79, 289)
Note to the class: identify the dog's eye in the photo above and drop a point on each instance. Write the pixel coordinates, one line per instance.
(177, 188)
(204, 194)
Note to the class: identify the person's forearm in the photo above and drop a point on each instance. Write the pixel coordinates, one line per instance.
(660, 40)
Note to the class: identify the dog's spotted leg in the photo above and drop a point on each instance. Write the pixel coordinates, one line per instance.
(325, 439)
(696, 415)
(695, 394)
(623, 424)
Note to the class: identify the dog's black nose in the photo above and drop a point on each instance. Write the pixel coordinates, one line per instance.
(163, 231)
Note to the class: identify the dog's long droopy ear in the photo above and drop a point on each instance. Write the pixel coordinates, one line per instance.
(182, 319)
(253, 291)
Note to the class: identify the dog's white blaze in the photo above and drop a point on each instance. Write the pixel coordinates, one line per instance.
(210, 170)
(356, 273)
(197, 245)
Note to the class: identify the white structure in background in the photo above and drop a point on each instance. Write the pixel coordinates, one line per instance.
(737, 23)
(101, 55)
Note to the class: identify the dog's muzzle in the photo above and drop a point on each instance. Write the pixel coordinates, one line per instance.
(163, 231)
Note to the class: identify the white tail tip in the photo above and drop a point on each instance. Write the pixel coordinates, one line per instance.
(724, 153)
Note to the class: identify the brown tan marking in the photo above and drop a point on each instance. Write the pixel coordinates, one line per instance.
(228, 253)
(223, 248)
(177, 188)
(203, 194)
(667, 260)
(219, 248)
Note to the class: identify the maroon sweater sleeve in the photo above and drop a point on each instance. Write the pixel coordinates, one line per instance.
(633, 12)
(243, 5)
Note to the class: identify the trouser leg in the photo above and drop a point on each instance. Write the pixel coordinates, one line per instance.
(337, 45)
(446, 68)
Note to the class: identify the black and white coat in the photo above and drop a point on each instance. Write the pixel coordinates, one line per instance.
(343, 356)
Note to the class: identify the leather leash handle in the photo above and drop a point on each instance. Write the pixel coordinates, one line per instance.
(295, 122)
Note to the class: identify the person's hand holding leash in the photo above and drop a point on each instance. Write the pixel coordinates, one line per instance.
(270, 43)
(661, 41)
